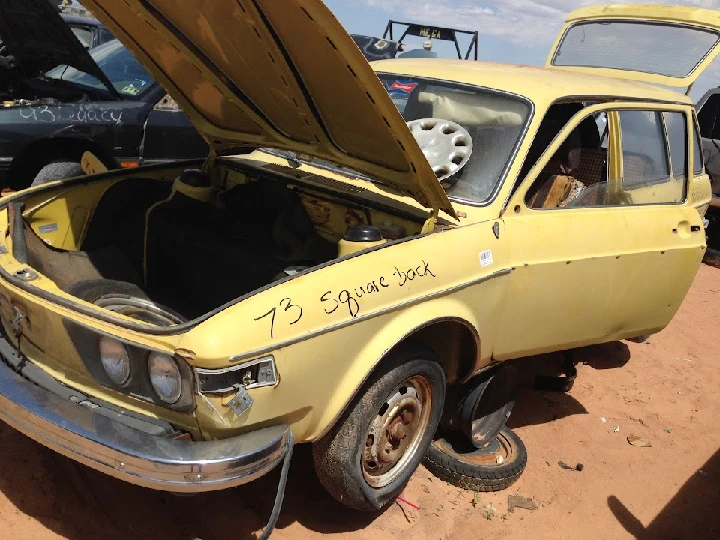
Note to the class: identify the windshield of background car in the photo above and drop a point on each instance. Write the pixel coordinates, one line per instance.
(125, 73)
(496, 122)
(84, 35)
(665, 49)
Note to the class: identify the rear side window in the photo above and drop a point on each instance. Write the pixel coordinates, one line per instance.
(644, 153)
(675, 125)
(699, 164)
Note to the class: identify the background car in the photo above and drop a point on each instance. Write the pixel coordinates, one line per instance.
(708, 108)
(89, 31)
(387, 47)
(58, 100)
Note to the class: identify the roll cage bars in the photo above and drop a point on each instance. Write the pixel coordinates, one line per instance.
(434, 32)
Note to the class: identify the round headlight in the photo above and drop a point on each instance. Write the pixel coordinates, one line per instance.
(115, 360)
(165, 377)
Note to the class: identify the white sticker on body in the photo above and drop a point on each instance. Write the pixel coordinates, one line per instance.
(486, 258)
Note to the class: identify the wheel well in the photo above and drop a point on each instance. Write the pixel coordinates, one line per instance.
(35, 156)
(454, 341)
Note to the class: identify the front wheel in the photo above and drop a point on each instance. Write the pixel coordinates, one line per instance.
(371, 453)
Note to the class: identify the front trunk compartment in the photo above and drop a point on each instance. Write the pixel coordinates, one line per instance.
(190, 241)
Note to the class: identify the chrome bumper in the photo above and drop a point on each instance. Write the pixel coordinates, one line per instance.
(132, 455)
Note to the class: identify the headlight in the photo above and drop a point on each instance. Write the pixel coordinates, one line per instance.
(115, 361)
(165, 377)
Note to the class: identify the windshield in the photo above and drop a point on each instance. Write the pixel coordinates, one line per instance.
(494, 120)
(84, 35)
(657, 48)
(125, 73)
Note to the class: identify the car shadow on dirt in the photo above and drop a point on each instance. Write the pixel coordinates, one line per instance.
(77, 502)
(691, 513)
(534, 406)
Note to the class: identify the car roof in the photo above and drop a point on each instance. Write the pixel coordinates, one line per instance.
(539, 84)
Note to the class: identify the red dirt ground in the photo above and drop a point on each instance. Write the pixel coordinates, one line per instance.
(665, 390)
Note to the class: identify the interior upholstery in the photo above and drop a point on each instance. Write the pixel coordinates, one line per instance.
(119, 217)
(553, 192)
(469, 109)
(593, 166)
(66, 268)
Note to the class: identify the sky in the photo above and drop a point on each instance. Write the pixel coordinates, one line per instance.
(515, 31)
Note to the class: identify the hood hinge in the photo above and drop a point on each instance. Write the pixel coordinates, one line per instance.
(430, 223)
(210, 161)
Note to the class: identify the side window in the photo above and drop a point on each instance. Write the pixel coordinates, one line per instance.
(653, 160)
(676, 127)
(644, 153)
(576, 175)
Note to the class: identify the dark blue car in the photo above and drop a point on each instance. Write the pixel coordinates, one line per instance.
(58, 99)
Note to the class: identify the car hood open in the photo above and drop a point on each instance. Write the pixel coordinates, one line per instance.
(280, 74)
(37, 37)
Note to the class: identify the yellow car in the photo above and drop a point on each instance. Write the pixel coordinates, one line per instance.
(359, 243)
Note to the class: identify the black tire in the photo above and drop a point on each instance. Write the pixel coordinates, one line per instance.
(450, 458)
(712, 257)
(338, 456)
(57, 170)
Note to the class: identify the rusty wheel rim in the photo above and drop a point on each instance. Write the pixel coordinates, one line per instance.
(495, 453)
(395, 433)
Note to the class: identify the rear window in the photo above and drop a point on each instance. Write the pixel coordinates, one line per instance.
(655, 48)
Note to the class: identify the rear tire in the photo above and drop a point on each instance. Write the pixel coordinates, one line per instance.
(57, 170)
(368, 457)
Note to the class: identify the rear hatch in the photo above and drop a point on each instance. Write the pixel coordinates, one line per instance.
(668, 45)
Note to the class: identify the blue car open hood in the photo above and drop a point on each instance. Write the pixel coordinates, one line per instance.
(39, 39)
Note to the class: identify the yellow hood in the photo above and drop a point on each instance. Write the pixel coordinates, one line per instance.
(275, 73)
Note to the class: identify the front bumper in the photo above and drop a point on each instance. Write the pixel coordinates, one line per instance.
(131, 454)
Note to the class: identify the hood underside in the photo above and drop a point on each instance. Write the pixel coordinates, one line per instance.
(37, 37)
(280, 74)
